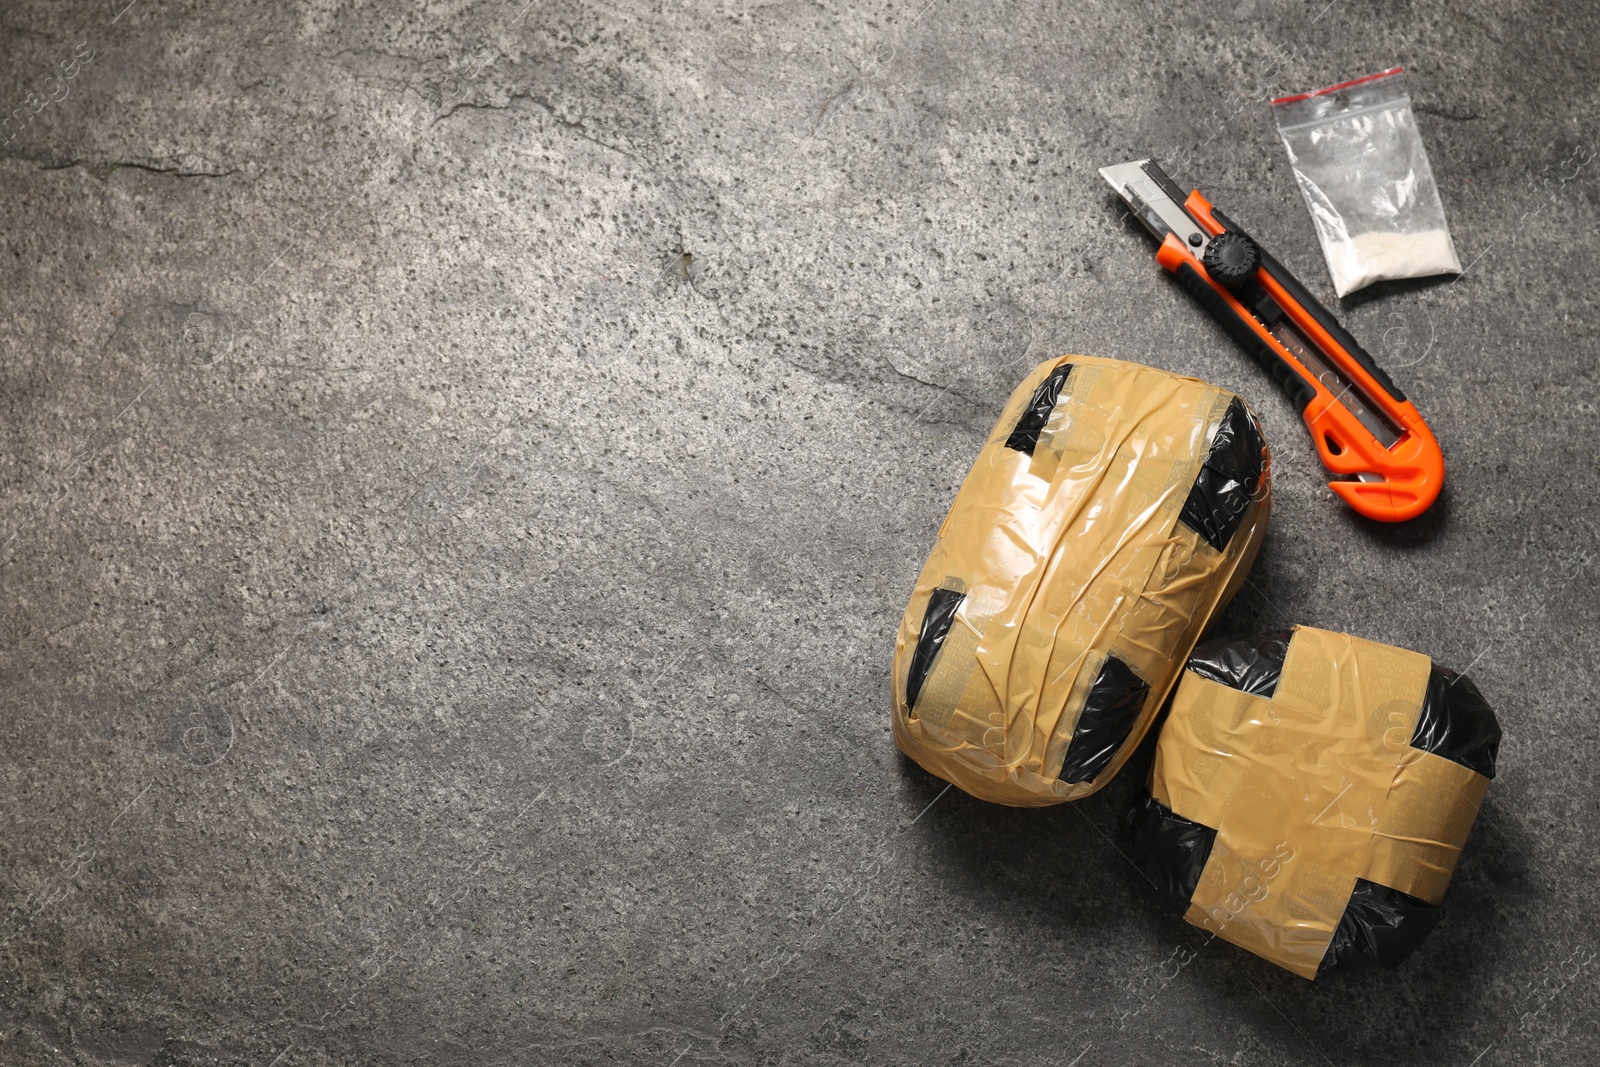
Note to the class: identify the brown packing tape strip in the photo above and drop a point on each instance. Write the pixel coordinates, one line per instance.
(1424, 826)
(1235, 885)
(1082, 546)
(995, 461)
(957, 708)
(1120, 525)
(1261, 887)
(952, 722)
(1310, 790)
(1197, 759)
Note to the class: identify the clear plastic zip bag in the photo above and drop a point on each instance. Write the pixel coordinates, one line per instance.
(1358, 157)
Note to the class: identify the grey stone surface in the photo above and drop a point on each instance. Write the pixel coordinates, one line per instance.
(464, 463)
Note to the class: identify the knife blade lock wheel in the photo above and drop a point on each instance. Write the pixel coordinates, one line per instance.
(1384, 461)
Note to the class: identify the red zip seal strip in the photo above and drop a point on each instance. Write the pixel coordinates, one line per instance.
(1336, 88)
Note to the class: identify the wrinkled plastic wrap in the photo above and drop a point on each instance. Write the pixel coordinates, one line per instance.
(1311, 795)
(1112, 511)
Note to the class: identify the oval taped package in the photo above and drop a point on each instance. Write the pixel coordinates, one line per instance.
(1311, 795)
(1114, 509)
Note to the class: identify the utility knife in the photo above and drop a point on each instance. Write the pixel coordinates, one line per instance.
(1382, 458)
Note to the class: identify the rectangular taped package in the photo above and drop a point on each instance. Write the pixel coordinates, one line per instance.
(1112, 511)
(1360, 163)
(1311, 795)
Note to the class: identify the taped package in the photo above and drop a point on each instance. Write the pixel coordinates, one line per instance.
(1114, 509)
(1311, 795)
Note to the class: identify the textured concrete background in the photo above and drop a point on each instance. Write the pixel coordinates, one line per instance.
(464, 463)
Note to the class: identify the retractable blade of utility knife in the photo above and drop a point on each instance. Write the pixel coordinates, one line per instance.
(1384, 460)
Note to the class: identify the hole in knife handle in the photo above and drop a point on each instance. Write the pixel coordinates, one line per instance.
(1333, 446)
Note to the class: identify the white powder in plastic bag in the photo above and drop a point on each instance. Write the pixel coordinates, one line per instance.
(1359, 161)
(1378, 256)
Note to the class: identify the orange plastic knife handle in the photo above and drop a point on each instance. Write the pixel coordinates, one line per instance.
(1411, 470)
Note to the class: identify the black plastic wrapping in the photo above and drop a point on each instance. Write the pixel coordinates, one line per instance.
(1025, 436)
(1380, 927)
(1229, 478)
(1253, 668)
(1109, 713)
(942, 605)
(1170, 850)
(1457, 723)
